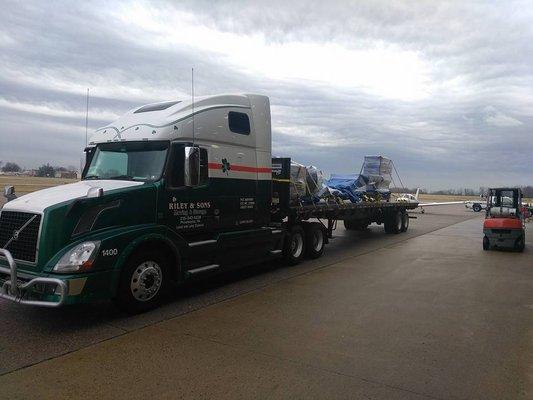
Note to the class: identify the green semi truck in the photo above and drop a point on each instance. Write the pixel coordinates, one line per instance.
(170, 192)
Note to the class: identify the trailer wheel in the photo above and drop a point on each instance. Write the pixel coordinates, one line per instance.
(315, 240)
(294, 246)
(143, 282)
(486, 243)
(405, 221)
(476, 207)
(355, 225)
(393, 223)
(348, 224)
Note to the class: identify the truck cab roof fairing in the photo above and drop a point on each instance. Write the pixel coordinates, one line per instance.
(173, 121)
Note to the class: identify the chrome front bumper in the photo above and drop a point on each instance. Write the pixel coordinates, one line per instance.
(15, 290)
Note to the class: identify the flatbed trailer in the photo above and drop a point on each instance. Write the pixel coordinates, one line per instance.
(310, 226)
(348, 210)
(170, 192)
(306, 229)
(329, 209)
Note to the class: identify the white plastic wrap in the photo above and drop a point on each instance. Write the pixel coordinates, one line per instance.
(315, 181)
(378, 170)
(298, 180)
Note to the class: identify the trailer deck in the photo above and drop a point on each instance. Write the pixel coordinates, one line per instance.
(339, 211)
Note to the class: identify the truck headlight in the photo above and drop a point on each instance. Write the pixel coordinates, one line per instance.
(79, 258)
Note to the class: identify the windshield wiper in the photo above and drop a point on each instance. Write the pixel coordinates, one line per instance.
(122, 177)
(91, 177)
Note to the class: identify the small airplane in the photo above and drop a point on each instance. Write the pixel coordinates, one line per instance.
(413, 198)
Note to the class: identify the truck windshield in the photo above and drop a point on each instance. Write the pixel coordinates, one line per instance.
(136, 161)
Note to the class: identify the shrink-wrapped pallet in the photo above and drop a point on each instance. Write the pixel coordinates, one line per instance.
(378, 171)
(298, 181)
(315, 181)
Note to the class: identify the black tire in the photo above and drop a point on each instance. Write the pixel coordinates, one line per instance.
(362, 226)
(387, 225)
(476, 207)
(520, 244)
(145, 274)
(486, 243)
(348, 224)
(393, 223)
(405, 222)
(294, 245)
(355, 225)
(315, 240)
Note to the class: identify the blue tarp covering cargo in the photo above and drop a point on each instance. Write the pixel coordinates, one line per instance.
(346, 185)
(372, 184)
(375, 178)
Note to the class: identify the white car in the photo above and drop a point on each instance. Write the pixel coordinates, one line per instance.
(476, 205)
(481, 204)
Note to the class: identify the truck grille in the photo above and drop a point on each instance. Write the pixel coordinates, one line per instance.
(23, 245)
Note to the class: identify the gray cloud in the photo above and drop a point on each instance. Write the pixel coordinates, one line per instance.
(471, 127)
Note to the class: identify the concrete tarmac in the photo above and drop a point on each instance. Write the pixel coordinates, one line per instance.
(422, 315)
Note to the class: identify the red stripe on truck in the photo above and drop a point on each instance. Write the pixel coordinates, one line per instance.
(241, 168)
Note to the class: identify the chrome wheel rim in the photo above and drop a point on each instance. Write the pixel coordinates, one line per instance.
(297, 245)
(146, 281)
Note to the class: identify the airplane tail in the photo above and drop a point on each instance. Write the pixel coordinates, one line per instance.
(417, 193)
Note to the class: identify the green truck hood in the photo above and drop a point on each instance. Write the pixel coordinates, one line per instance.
(69, 216)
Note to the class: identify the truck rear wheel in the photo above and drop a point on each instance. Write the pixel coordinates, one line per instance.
(142, 282)
(294, 246)
(315, 240)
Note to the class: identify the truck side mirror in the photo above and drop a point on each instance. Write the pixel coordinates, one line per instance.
(87, 157)
(191, 168)
(9, 193)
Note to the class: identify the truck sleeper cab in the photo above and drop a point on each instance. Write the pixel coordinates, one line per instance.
(162, 202)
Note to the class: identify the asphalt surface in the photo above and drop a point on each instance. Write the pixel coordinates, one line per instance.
(422, 315)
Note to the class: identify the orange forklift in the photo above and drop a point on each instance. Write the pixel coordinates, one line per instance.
(504, 225)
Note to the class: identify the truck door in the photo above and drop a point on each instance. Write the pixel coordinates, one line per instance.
(189, 208)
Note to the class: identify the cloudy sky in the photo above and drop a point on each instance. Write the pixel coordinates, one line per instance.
(445, 88)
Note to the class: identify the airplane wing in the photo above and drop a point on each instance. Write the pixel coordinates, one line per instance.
(440, 204)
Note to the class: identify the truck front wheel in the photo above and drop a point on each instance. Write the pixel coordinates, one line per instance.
(476, 207)
(142, 282)
(294, 246)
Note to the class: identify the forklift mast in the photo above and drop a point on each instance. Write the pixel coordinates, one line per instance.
(502, 201)
(504, 220)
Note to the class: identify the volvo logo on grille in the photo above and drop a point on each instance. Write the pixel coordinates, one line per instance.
(16, 232)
